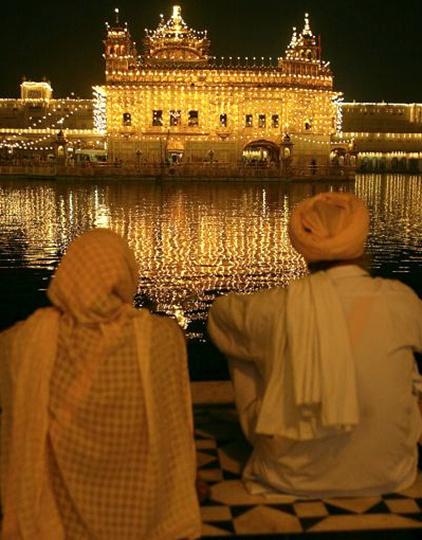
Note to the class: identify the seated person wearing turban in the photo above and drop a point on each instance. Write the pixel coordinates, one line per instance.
(323, 369)
(96, 434)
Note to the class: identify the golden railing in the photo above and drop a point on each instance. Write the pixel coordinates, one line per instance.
(188, 170)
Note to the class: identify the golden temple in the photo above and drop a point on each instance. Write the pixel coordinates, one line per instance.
(175, 102)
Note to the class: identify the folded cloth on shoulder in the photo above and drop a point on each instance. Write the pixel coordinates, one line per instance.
(313, 383)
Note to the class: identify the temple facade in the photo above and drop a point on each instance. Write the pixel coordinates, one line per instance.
(177, 103)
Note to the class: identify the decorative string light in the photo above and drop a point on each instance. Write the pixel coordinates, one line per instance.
(177, 74)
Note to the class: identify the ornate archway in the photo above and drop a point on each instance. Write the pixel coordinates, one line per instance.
(175, 148)
(339, 156)
(261, 152)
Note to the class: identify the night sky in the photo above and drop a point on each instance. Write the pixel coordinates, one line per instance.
(375, 47)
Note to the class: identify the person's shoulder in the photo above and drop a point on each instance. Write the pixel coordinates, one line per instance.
(399, 296)
(42, 314)
(160, 322)
(259, 304)
(165, 321)
(397, 287)
(9, 333)
(253, 296)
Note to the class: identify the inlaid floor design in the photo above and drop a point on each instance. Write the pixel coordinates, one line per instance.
(231, 511)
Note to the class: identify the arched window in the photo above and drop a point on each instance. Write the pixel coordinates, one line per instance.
(127, 119)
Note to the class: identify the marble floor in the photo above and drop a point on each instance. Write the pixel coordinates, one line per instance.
(231, 511)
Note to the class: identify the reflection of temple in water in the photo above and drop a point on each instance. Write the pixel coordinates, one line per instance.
(193, 242)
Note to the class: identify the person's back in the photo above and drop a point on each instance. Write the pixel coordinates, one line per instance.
(380, 454)
(377, 453)
(96, 410)
(120, 485)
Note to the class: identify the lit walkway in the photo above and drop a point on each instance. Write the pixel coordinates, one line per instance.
(221, 451)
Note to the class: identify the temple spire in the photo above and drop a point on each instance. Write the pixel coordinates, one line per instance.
(293, 41)
(177, 14)
(304, 47)
(120, 51)
(307, 28)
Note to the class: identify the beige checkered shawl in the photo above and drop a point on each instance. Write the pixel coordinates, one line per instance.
(125, 467)
(97, 435)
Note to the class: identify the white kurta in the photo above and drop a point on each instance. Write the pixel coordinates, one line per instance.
(384, 320)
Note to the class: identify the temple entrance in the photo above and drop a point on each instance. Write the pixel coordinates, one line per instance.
(174, 151)
(261, 153)
(339, 157)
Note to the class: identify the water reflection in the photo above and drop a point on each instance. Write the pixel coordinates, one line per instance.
(194, 241)
(395, 202)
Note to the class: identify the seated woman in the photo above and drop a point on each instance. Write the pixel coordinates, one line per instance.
(96, 434)
(322, 370)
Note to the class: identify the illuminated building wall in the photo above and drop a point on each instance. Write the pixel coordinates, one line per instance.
(384, 136)
(382, 117)
(178, 102)
(29, 125)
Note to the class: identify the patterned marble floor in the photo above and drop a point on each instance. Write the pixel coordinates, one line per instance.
(231, 511)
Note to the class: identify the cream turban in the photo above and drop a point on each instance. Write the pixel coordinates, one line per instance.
(329, 226)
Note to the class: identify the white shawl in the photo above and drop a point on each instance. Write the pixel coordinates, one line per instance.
(311, 391)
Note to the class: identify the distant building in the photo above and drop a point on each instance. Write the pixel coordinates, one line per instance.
(37, 126)
(384, 136)
(176, 102)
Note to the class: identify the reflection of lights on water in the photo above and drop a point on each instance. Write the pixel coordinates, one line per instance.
(395, 203)
(195, 241)
(180, 317)
(264, 201)
(102, 216)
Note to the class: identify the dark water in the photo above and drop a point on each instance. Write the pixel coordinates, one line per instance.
(193, 241)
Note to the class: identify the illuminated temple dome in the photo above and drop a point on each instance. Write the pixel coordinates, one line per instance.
(174, 41)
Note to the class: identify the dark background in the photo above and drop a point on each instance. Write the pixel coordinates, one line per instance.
(375, 47)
